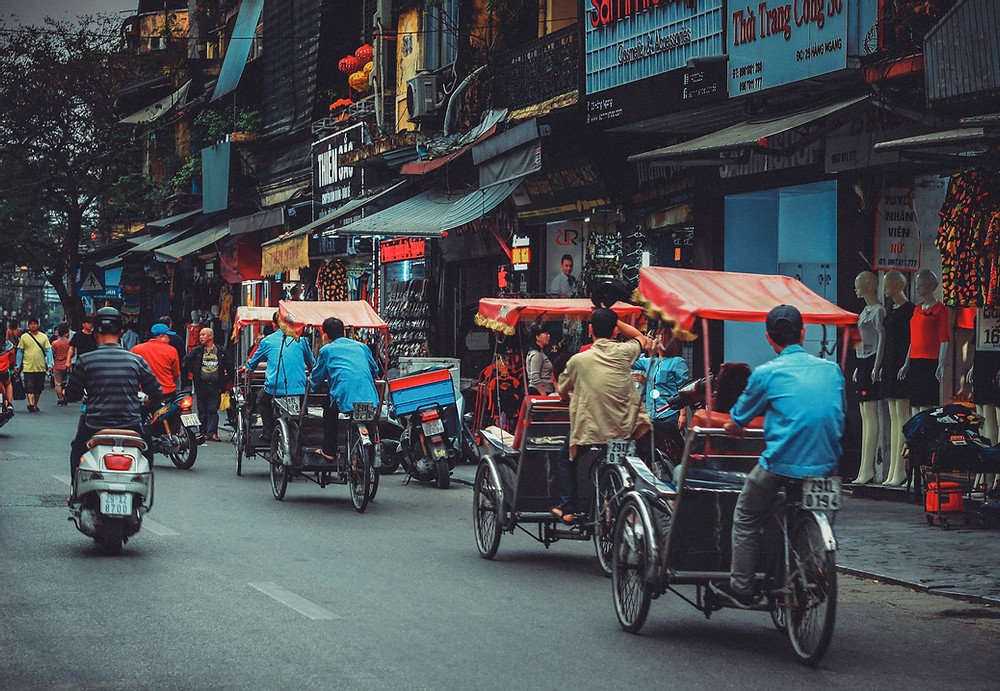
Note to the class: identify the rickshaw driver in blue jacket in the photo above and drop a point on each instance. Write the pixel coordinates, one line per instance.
(349, 368)
(802, 400)
(288, 361)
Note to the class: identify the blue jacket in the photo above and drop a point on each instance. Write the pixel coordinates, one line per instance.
(667, 375)
(802, 400)
(287, 361)
(349, 368)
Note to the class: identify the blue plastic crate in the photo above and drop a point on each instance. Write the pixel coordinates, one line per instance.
(419, 390)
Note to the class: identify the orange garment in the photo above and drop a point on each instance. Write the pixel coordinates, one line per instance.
(965, 318)
(60, 347)
(929, 328)
(162, 359)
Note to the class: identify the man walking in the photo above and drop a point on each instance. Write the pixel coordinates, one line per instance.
(60, 347)
(211, 368)
(161, 358)
(83, 341)
(34, 359)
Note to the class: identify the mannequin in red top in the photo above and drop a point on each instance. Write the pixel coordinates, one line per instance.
(930, 332)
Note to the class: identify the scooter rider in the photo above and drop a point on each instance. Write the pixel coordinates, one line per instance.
(287, 360)
(111, 377)
(349, 368)
(802, 400)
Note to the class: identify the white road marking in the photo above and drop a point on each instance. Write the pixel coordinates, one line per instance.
(148, 523)
(299, 604)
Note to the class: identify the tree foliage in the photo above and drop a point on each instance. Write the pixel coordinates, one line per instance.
(61, 148)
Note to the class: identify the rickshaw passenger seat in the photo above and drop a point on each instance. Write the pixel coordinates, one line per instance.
(527, 415)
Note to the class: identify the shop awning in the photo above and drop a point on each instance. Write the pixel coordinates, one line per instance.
(180, 249)
(173, 220)
(431, 213)
(688, 294)
(963, 136)
(239, 47)
(341, 211)
(503, 314)
(154, 111)
(269, 218)
(741, 135)
(147, 243)
(447, 149)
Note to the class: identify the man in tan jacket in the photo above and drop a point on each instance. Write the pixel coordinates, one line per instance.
(605, 404)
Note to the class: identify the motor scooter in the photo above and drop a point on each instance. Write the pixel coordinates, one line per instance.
(175, 430)
(113, 487)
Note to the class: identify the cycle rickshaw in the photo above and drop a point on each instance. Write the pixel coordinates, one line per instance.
(299, 420)
(671, 534)
(247, 330)
(518, 482)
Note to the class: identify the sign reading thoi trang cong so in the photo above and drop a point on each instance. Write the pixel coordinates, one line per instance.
(775, 42)
(648, 41)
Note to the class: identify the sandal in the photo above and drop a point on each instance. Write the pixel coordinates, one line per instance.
(564, 516)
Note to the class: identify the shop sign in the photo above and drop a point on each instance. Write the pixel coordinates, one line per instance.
(401, 249)
(988, 329)
(633, 49)
(285, 255)
(520, 253)
(851, 146)
(773, 42)
(335, 184)
(897, 232)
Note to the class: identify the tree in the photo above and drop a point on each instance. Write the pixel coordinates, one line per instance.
(61, 148)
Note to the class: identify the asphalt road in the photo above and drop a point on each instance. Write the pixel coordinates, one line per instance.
(227, 588)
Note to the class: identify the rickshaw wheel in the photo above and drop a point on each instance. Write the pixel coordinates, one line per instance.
(373, 480)
(609, 485)
(779, 613)
(281, 458)
(813, 597)
(358, 470)
(486, 513)
(630, 559)
(240, 439)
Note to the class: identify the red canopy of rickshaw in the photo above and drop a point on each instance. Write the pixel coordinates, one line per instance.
(296, 315)
(687, 294)
(503, 314)
(246, 315)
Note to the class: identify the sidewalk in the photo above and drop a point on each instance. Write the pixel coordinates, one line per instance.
(890, 541)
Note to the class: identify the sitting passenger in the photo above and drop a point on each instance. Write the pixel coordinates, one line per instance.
(287, 360)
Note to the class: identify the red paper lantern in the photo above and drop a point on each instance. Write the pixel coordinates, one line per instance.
(350, 64)
(365, 53)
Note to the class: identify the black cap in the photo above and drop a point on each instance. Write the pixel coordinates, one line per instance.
(537, 329)
(784, 319)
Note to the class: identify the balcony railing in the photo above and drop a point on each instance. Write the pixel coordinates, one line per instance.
(537, 71)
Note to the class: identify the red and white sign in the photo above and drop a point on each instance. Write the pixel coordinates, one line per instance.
(897, 232)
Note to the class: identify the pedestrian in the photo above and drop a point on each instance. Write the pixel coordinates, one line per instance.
(161, 358)
(14, 332)
(211, 370)
(60, 370)
(130, 338)
(83, 341)
(175, 340)
(604, 404)
(288, 360)
(802, 400)
(111, 377)
(537, 364)
(34, 359)
(8, 357)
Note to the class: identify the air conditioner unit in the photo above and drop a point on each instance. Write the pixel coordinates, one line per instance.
(422, 96)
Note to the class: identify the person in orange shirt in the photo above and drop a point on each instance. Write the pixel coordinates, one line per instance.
(60, 349)
(161, 357)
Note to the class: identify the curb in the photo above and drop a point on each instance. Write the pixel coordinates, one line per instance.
(965, 597)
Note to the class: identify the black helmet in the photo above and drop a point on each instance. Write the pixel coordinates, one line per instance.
(108, 320)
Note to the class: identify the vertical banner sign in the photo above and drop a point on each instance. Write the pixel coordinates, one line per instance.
(988, 329)
(897, 233)
(333, 184)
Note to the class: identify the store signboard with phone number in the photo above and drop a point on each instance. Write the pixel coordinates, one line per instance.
(988, 329)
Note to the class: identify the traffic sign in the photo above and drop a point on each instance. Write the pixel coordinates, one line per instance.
(91, 280)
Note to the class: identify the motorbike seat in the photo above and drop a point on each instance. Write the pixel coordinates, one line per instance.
(120, 437)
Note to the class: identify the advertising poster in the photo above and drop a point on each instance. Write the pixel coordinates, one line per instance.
(564, 258)
(897, 233)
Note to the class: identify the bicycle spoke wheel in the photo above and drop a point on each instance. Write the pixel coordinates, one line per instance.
(358, 467)
(813, 591)
(239, 439)
(608, 495)
(486, 513)
(630, 557)
(281, 458)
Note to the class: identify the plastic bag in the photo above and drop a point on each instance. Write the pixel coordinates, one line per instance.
(18, 386)
(224, 402)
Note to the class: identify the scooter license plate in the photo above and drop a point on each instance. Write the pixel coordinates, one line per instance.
(434, 426)
(291, 404)
(617, 450)
(190, 420)
(116, 504)
(821, 493)
(363, 412)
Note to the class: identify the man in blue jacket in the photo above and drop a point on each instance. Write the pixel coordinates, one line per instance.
(802, 400)
(349, 368)
(288, 360)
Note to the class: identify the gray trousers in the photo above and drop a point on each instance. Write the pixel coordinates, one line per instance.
(752, 511)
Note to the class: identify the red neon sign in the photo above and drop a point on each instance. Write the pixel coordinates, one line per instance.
(401, 249)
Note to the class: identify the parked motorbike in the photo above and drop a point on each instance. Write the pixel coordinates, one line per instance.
(175, 430)
(424, 449)
(114, 489)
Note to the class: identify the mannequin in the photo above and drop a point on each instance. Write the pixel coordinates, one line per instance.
(870, 324)
(930, 331)
(986, 390)
(892, 353)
